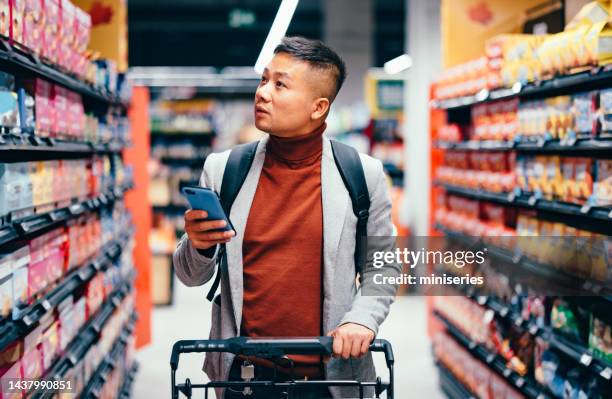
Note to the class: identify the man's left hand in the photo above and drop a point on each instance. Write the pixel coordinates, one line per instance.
(351, 340)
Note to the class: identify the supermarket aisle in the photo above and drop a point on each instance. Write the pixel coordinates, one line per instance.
(189, 318)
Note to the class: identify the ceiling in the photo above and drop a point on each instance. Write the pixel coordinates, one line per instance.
(198, 32)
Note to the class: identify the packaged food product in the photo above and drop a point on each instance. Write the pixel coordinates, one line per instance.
(21, 259)
(583, 172)
(50, 345)
(605, 99)
(13, 372)
(16, 29)
(51, 34)
(33, 25)
(597, 42)
(5, 16)
(585, 114)
(6, 285)
(60, 101)
(602, 187)
(600, 335)
(40, 90)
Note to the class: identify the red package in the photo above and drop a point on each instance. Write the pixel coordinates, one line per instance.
(51, 38)
(60, 101)
(16, 26)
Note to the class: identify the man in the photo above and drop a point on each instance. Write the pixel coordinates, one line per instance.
(291, 268)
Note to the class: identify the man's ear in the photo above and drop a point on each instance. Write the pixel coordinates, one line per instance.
(320, 106)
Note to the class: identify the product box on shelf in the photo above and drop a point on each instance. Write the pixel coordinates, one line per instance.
(21, 259)
(50, 345)
(6, 285)
(585, 113)
(67, 327)
(44, 114)
(5, 18)
(600, 335)
(9, 105)
(605, 112)
(94, 293)
(11, 372)
(17, 13)
(582, 188)
(51, 36)
(602, 187)
(67, 34)
(60, 102)
(32, 356)
(33, 25)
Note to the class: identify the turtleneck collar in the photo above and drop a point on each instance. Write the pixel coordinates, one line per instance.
(295, 150)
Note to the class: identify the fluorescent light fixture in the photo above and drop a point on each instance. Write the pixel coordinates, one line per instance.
(277, 31)
(398, 64)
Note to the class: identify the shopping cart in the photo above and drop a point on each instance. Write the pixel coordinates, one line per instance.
(275, 349)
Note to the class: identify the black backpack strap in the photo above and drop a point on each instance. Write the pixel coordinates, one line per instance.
(350, 168)
(236, 170)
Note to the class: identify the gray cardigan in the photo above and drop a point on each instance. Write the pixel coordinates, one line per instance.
(342, 302)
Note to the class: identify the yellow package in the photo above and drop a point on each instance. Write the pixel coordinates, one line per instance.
(590, 14)
(598, 42)
(578, 46)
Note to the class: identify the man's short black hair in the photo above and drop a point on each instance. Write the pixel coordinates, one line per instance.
(316, 54)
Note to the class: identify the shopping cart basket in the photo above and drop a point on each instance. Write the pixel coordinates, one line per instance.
(275, 349)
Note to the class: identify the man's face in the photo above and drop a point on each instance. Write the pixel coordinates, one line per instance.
(286, 96)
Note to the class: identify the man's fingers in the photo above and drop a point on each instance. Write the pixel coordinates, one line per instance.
(207, 244)
(196, 226)
(365, 346)
(347, 346)
(209, 235)
(193, 214)
(338, 346)
(356, 347)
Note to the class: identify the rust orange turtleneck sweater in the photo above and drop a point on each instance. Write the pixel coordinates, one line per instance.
(283, 246)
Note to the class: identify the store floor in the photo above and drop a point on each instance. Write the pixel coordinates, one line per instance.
(188, 318)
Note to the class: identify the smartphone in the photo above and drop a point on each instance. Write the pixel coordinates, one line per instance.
(205, 199)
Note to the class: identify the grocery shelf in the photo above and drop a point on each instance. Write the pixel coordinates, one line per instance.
(27, 65)
(576, 284)
(527, 386)
(581, 146)
(579, 353)
(452, 387)
(582, 216)
(99, 377)
(10, 330)
(23, 148)
(87, 337)
(600, 77)
(128, 381)
(23, 227)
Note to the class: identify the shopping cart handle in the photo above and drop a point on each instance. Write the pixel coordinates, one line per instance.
(269, 347)
(382, 345)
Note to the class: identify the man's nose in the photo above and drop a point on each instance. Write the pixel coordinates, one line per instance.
(263, 93)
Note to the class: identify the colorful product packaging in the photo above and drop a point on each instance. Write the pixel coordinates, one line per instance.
(51, 34)
(5, 16)
(33, 25)
(602, 187)
(6, 285)
(16, 28)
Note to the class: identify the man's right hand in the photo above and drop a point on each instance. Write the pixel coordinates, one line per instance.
(200, 232)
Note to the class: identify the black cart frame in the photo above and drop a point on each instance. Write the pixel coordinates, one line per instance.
(274, 349)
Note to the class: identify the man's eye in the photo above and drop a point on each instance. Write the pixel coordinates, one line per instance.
(280, 84)
(263, 79)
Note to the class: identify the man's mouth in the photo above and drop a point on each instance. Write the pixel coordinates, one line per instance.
(260, 110)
